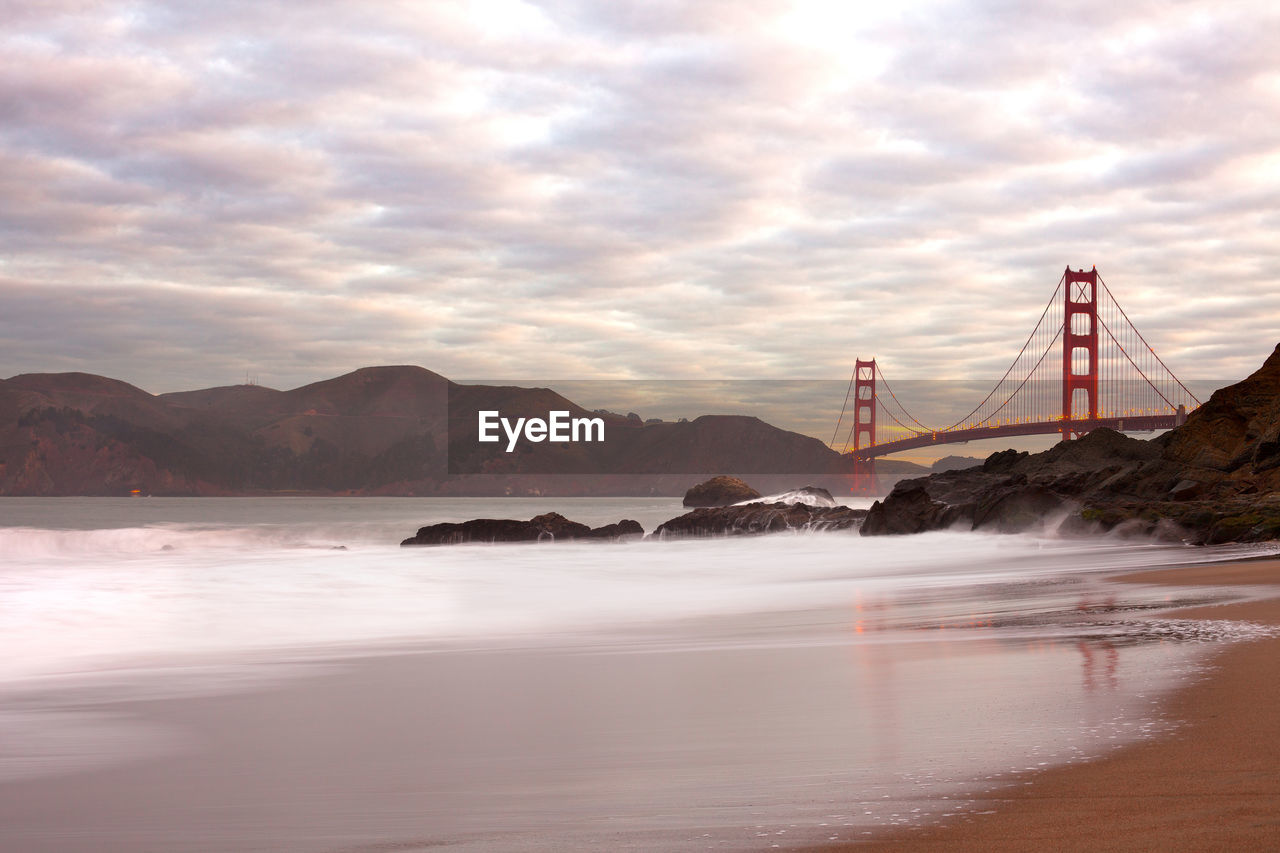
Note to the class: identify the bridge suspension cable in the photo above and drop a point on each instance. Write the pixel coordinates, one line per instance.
(1108, 375)
(910, 416)
(1148, 346)
(849, 438)
(1053, 300)
(843, 407)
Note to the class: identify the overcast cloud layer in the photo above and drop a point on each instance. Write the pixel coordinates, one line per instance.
(196, 192)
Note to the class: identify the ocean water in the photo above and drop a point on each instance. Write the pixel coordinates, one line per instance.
(735, 693)
(89, 584)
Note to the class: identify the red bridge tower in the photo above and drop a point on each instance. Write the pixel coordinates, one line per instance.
(864, 425)
(1079, 350)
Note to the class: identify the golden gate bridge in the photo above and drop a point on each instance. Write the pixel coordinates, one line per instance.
(1084, 366)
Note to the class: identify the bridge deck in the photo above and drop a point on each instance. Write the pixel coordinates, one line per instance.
(1130, 424)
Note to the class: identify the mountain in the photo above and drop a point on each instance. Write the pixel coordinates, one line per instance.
(226, 398)
(377, 430)
(954, 463)
(90, 394)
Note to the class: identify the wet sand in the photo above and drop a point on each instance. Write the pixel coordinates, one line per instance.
(1214, 784)
(581, 748)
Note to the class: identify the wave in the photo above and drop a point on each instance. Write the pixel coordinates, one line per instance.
(34, 543)
(807, 495)
(76, 599)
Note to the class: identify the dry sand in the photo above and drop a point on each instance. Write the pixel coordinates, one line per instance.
(1214, 784)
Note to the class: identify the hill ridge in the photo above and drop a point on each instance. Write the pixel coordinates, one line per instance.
(382, 429)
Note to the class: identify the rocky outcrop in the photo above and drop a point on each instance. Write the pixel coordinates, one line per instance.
(549, 527)
(908, 509)
(1011, 491)
(720, 491)
(1231, 444)
(1214, 479)
(625, 529)
(758, 518)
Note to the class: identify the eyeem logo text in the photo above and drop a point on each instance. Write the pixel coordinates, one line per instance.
(558, 426)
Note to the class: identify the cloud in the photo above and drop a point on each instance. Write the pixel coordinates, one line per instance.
(680, 190)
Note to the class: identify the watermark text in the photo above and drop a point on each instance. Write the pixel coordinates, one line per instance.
(556, 427)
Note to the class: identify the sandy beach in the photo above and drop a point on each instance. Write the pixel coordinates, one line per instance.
(1214, 784)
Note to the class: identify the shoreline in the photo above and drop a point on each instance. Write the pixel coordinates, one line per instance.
(1213, 783)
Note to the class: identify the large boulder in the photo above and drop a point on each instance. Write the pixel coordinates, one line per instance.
(720, 491)
(549, 527)
(907, 509)
(758, 518)
(1018, 508)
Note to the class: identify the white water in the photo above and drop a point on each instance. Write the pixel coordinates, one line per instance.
(92, 584)
(806, 495)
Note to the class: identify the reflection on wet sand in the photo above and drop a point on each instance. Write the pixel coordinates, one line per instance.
(1100, 665)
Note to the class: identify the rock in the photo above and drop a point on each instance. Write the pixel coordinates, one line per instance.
(1015, 509)
(1187, 489)
(1099, 449)
(758, 518)
(1002, 461)
(1237, 431)
(1244, 521)
(549, 527)
(720, 491)
(907, 509)
(1010, 492)
(625, 529)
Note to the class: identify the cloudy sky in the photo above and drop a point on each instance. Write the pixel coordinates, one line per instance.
(196, 192)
